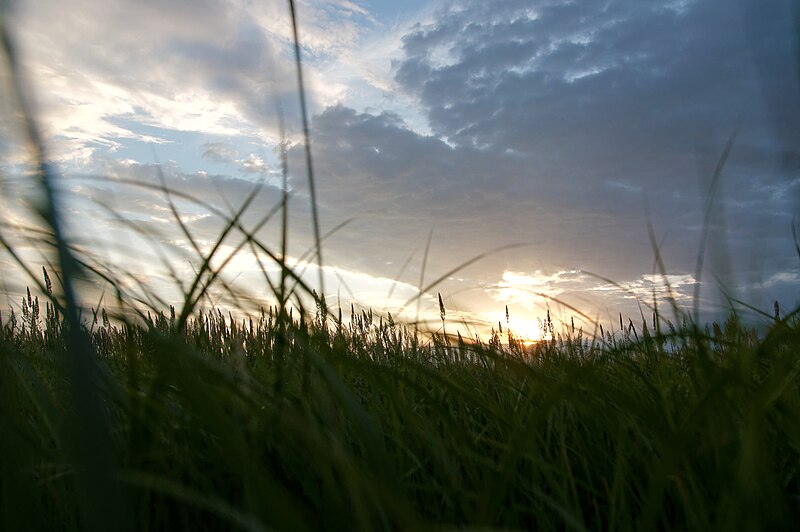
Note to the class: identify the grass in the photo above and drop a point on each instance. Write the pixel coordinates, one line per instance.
(140, 417)
(221, 424)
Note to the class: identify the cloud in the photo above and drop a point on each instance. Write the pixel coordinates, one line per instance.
(569, 126)
(106, 74)
(222, 152)
(605, 91)
(254, 164)
(649, 288)
(219, 152)
(535, 289)
(791, 277)
(562, 124)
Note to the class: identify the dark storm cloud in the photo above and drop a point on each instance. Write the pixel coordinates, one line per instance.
(628, 79)
(555, 122)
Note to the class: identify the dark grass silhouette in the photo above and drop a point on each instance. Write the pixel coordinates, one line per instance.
(358, 423)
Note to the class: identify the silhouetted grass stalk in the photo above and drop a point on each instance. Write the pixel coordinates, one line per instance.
(88, 445)
(307, 144)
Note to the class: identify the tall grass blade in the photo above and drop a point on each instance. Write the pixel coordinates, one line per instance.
(420, 287)
(87, 429)
(710, 199)
(307, 143)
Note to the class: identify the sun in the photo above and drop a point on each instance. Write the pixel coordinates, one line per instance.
(524, 328)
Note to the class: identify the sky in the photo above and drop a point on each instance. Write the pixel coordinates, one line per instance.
(573, 143)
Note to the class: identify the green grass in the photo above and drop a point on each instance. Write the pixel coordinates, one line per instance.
(226, 424)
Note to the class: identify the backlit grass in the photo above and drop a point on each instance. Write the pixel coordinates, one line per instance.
(359, 424)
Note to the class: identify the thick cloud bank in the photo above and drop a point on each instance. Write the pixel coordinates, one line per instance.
(563, 124)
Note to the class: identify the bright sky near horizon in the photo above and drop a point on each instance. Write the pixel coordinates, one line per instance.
(563, 126)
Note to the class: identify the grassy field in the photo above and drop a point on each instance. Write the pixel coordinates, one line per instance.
(193, 419)
(358, 424)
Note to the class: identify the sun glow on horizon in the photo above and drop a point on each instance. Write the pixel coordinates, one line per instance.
(525, 329)
(523, 326)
